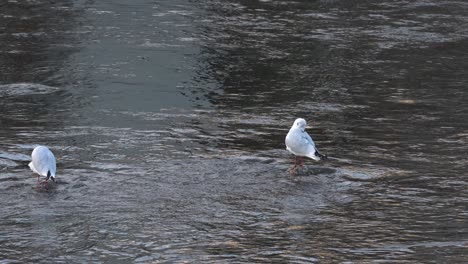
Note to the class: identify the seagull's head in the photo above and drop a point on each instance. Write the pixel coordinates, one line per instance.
(300, 123)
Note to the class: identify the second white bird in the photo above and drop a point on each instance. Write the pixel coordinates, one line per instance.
(43, 163)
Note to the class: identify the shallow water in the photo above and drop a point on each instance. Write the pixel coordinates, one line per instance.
(168, 122)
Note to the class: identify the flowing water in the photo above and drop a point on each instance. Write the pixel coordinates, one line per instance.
(168, 120)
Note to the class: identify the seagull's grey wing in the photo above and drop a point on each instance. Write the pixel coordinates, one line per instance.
(52, 163)
(306, 136)
(43, 162)
(40, 164)
(317, 153)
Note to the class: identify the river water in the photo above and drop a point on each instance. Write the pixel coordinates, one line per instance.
(168, 120)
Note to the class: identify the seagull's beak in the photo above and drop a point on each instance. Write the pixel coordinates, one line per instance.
(308, 127)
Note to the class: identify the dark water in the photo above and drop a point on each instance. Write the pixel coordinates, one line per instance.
(168, 121)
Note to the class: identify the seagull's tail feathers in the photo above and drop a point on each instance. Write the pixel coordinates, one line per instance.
(31, 166)
(317, 156)
(314, 156)
(324, 157)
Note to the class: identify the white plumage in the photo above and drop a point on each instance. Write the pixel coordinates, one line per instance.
(43, 162)
(299, 143)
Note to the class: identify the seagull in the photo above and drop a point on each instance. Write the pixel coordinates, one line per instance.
(299, 143)
(43, 163)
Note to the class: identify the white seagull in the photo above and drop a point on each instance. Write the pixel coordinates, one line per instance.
(43, 163)
(299, 143)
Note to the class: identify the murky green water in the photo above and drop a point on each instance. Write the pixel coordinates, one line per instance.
(168, 122)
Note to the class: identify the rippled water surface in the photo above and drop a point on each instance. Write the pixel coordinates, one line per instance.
(168, 120)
